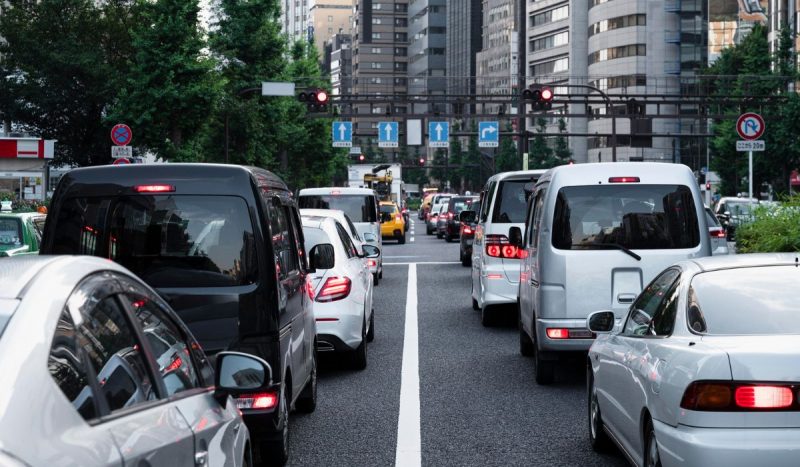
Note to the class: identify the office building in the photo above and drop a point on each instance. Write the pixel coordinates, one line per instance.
(427, 40)
(496, 63)
(294, 19)
(463, 41)
(338, 63)
(329, 17)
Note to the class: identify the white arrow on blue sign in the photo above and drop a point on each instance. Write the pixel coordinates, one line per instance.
(342, 134)
(488, 134)
(388, 134)
(438, 134)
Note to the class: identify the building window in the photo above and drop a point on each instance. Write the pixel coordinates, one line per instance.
(376, 35)
(548, 42)
(613, 53)
(549, 67)
(400, 7)
(376, 50)
(625, 81)
(617, 23)
(330, 30)
(376, 20)
(376, 65)
(550, 16)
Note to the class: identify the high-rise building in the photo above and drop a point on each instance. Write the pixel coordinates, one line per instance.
(427, 40)
(464, 27)
(294, 19)
(496, 63)
(329, 17)
(339, 63)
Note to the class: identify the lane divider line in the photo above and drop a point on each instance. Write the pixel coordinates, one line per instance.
(422, 262)
(409, 443)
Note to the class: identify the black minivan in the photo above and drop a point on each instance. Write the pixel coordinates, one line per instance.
(223, 244)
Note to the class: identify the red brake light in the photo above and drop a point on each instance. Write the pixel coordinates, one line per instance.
(707, 396)
(763, 397)
(154, 188)
(398, 217)
(174, 365)
(718, 233)
(493, 250)
(558, 333)
(623, 180)
(265, 400)
(467, 229)
(372, 263)
(335, 288)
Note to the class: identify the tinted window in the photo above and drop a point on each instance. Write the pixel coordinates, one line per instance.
(634, 216)
(68, 369)
(348, 245)
(535, 225)
(664, 319)
(647, 303)
(746, 301)
(352, 228)
(711, 219)
(169, 241)
(510, 203)
(38, 227)
(10, 232)
(456, 205)
(387, 209)
(282, 239)
(360, 208)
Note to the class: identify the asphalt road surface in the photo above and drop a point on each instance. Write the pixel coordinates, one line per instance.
(440, 389)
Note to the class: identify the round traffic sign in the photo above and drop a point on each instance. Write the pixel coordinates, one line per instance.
(121, 134)
(750, 126)
(121, 161)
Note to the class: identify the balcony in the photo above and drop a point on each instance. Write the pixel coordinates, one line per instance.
(672, 37)
(672, 6)
(672, 67)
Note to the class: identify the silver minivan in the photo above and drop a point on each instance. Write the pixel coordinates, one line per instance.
(594, 235)
(495, 263)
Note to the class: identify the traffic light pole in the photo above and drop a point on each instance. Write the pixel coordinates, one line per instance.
(522, 29)
(609, 112)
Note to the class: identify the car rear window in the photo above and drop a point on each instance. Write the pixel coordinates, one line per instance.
(458, 204)
(314, 236)
(360, 208)
(386, 209)
(510, 203)
(711, 219)
(634, 216)
(167, 240)
(10, 232)
(742, 301)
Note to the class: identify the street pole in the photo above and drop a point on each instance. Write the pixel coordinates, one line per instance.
(522, 29)
(750, 178)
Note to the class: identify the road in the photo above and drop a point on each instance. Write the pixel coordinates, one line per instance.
(478, 403)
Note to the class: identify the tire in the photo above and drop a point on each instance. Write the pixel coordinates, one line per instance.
(371, 332)
(277, 452)
(402, 239)
(525, 341)
(598, 438)
(358, 359)
(439, 235)
(307, 402)
(544, 371)
(376, 279)
(466, 261)
(652, 458)
(488, 319)
(428, 231)
(448, 239)
(475, 305)
(380, 274)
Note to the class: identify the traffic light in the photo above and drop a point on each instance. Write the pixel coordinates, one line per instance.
(316, 100)
(539, 96)
(421, 161)
(361, 158)
(708, 186)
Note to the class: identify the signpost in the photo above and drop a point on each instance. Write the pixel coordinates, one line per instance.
(488, 134)
(388, 135)
(121, 152)
(121, 161)
(750, 127)
(342, 133)
(438, 134)
(121, 134)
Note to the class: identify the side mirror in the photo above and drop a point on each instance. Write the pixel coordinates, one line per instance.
(322, 256)
(370, 237)
(371, 251)
(727, 214)
(238, 373)
(467, 216)
(515, 236)
(601, 322)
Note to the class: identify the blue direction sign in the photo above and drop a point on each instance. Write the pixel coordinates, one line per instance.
(342, 133)
(388, 134)
(438, 134)
(488, 134)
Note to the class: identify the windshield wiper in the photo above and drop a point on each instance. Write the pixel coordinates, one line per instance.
(609, 246)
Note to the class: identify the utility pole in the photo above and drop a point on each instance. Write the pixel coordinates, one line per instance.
(522, 16)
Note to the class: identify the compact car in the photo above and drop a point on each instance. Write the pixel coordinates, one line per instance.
(20, 233)
(393, 226)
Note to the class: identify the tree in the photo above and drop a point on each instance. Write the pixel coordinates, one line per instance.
(507, 158)
(541, 155)
(562, 153)
(473, 180)
(456, 171)
(171, 89)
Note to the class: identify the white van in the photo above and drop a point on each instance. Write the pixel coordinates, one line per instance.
(495, 267)
(360, 205)
(595, 234)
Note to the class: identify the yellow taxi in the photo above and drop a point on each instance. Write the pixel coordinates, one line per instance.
(392, 224)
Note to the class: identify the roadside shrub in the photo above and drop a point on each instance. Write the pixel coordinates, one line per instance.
(413, 203)
(774, 229)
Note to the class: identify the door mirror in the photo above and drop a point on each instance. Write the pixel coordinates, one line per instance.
(322, 256)
(371, 251)
(601, 322)
(370, 237)
(515, 236)
(238, 373)
(727, 214)
(467, 216)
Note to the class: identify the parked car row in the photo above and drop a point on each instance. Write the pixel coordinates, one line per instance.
(210, 265)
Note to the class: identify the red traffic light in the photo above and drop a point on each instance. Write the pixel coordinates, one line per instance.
(321, 97)
(546, 94)
(708, 186)
(361, 157)
(421, 161)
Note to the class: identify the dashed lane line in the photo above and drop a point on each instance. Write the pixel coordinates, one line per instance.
(409, 444)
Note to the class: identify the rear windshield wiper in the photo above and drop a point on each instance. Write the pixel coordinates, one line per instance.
(609, 246)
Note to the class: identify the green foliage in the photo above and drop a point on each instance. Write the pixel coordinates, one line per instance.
(472, 176)
(541, 154)
(507, 158)
(774, 229)
(562, 153)
(456, 157)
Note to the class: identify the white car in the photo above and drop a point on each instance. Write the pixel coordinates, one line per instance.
(359, 240)
(341, 289)
(719, 240)
(705, 369)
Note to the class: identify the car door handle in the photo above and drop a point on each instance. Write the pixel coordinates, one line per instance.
(534, 283)
(200, 458)
(626, 297)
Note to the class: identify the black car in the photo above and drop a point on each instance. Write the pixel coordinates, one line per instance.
(468, 219)
(451, 227)
(223, 245)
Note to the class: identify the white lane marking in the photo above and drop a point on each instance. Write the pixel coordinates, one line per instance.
(411, 239)
(422, 262)
(403, 256)
(409, 444)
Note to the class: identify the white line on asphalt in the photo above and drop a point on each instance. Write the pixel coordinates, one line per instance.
(409, 444)
(422, 262)
(402, 256)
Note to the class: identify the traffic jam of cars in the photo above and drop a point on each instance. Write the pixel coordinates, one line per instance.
(188, 307)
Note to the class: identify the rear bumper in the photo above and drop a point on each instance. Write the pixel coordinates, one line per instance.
(497, 290)
(731, 447)
(561, 345)
(332, 335)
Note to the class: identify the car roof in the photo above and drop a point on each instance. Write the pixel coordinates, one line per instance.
(515, 174)
(342, 191)
(655, 173)
(314, 212)
(21, 215)
(318, 222)
(716, 263)
(18, 272)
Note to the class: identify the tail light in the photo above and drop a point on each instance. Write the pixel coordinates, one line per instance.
(623, 180)
(718, 233)
(724, 396)
(335, 288)
(449, 216)
(153, 188)
(262, 401)
(176, 363)
(466, 229)
(372, 263)
(497, 246)
(558, 333)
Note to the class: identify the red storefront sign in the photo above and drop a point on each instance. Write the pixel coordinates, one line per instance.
(26, 148)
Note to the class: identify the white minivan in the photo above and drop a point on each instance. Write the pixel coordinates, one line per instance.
(594, 235)
(495, 264)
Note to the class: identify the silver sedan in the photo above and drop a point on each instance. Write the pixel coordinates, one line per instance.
(705, 368)
(98, 371)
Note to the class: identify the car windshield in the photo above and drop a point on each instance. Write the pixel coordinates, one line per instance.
(738, 208)
(510, 203)
(360, 208)
(168, 241)
(10, 232)
(631, 216)
(759, 300)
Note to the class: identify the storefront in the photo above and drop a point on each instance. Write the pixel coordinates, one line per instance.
(23, 167)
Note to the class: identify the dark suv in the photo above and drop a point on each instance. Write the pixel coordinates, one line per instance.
(223, 244)
(452, 225)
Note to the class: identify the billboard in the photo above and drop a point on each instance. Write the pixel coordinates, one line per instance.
(729, 21)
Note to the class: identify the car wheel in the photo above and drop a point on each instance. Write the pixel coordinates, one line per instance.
(277, 452)
(448, 239)
(466, 261)
(428, 231)
(359, 356)
(598, 437)
(544, 371)
(307, 401)
(371, 332)
(380, 274)
(401, 240)
(651, 455)
(376, 279)
(525, 342)
(488, 317)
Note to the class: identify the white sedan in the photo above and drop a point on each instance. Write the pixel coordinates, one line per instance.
(705, 368)
(342, 289)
